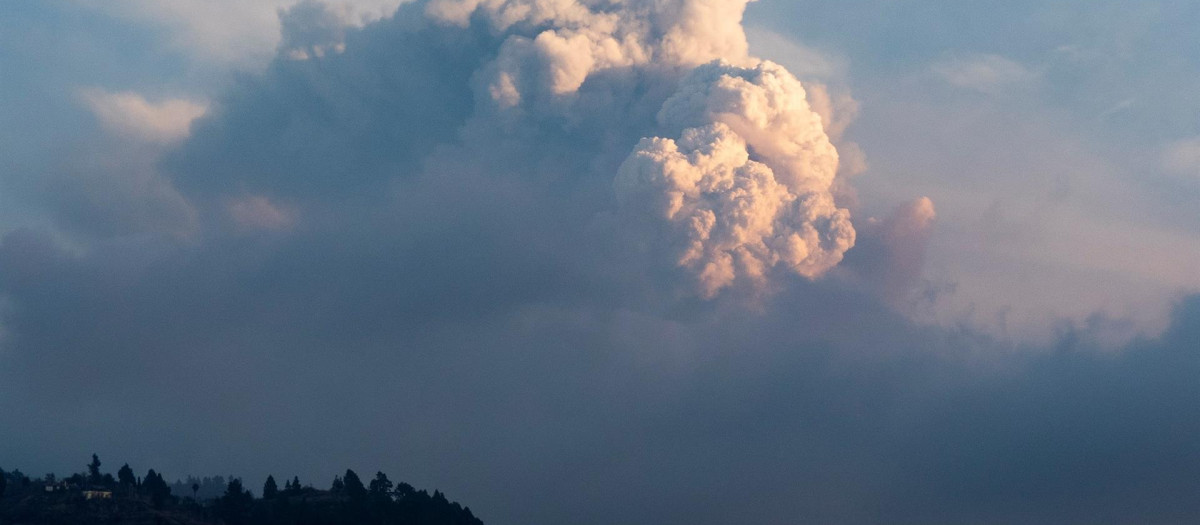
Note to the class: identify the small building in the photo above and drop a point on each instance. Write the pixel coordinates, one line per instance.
(97, 494)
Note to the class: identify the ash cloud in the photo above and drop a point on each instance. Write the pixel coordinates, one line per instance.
(487, 246)
(734, 216)
(532, 97)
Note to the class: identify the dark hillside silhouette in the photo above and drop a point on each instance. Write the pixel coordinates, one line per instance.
(96, 497)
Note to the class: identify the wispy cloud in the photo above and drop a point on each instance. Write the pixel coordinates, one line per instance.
(130, 114)
(806, 62)
(988, 74)
(241, 34)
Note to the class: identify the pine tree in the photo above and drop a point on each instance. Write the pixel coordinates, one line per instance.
(156, 487)
(125, 476)
(270, 489)
(354, 485)
(381, 487)
(236, 502)
(94, 470)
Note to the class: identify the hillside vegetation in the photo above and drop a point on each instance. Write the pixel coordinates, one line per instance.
(96, 497)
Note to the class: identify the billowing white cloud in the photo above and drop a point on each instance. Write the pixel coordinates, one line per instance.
(735, 175)
(131, 115)
(746, 188)
(763, 205)
(672, 32)
(825, 76)
(769, 108)
(581, 38)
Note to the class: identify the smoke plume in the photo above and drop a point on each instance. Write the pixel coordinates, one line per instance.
(733, 213)
(735, 179)
(506, 248)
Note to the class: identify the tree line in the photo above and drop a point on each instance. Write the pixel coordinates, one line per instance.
(93, 496)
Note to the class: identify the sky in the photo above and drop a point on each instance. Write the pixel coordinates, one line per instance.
(600, 261)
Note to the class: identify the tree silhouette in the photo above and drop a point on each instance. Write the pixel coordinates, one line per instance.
(235, 504)
(125, 476)
(3, 482)
(19, 477)
(381, 487)
(156, 487)
(94, 470)
(270, 489)
(354, 486)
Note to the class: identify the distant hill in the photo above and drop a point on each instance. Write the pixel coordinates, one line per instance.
(100, 498)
